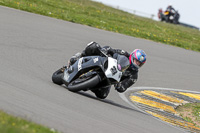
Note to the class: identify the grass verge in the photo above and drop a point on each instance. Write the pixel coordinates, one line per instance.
(103, 17)
(11, 124)
(190, 112)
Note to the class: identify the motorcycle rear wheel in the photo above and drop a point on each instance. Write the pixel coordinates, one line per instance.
(83, 83)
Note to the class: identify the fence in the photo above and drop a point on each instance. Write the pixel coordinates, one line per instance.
(135, 12)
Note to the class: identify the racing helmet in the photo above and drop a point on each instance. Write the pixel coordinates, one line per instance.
(137, 59)
(170, 5)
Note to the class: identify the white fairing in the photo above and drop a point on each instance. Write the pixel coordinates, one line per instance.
(80, 64)
(66, 75)
(112, 64)
(171, 17)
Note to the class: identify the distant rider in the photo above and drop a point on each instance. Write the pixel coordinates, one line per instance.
(137, 59)
(171, 10)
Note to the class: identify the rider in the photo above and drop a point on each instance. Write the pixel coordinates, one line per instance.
(170, 9)
(137, 58)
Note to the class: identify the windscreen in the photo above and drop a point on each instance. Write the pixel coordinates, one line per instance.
(123, 62)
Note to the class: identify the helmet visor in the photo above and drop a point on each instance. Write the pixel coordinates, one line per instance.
(135, 64)
(138, 63)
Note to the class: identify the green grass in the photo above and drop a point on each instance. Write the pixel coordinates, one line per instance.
(11, 124)
(196, 111)
(103, 17)
(190, 112)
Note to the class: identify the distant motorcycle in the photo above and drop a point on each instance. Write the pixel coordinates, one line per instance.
(169, 17)
(95, 73)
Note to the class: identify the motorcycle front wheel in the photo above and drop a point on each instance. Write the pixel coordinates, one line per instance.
(57, 77)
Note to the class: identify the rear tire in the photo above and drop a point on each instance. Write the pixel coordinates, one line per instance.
(57, 77)
(87, 83)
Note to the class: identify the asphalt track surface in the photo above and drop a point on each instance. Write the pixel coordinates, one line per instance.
(32, 47)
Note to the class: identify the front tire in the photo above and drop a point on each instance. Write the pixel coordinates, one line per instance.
(57, 77)
(81, 84)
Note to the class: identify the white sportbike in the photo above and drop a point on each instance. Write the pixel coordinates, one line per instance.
(95, 73)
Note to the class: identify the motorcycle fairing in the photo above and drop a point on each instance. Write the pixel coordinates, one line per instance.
(112, 71)
(83, 65)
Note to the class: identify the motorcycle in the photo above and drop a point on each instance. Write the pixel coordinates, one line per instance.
(169, 17)
(95, 73)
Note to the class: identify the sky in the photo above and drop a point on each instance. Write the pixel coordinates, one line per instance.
(189, 9)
